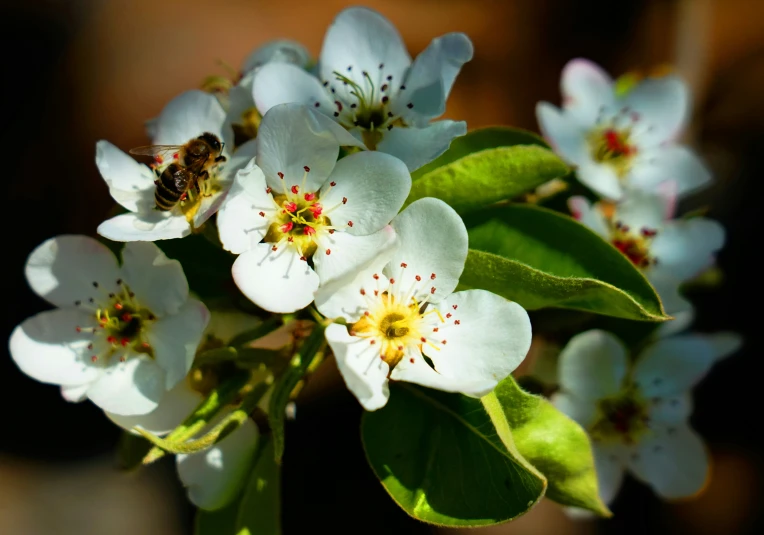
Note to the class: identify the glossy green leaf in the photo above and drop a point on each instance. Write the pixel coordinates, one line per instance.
(260, 506)
(556, 445)
(541, 258)
(487, 166)
(220, 522)
(444, 461)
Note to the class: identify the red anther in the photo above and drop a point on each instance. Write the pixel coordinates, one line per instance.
(400, 348)
(435, 329)
(411, 360)
(316, 209)
(78, 329)
(432, 276)
(295, 189)
(350, 223)
(443, 342)
(418, 278)
(448, 315)
(376, 277)
(404, 265)
(111, 339)
(290, 239)
(127, 317)
(268, 189)
(309, 231)
(432, 290)
(332, 184)
(423, 339)
(392, 281)
(262, 214)
(367, 313)
(376, 292)
(310, 196)
(90, 346)
(124, 342)
(649, 233)
(457, 322)
(146, 345)
(344, 200)
(184, 197)
(158, 159)
(175, 155)
(93, 358)
(328, 252)
(304, 259)
(281, 175)
(307, 169)
(382, 357)
(290, 206)
(274, 248)
(455, 307)
(118, 306)
(625, 228)
(122, 358)
(384, 87)
(372, 342)
(331, 231)
(363, 292)
(286, 227)
(385, 99)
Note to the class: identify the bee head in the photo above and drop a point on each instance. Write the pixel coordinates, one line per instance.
(213, 141)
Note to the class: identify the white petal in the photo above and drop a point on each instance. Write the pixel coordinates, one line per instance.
(364, 372)
(589, 215)
(724, 344)
(215, 476)
(375, 186)
(675, 409)
(190, 115)
(363, 39)
(240, 224)
(277, 281)
(419, 146)
(144, 227)
(585, 89)
(582, 410)
(433, 241)
(433, 72)
(277, 51)
(175, 406)
(490, 340)
(641, 210)
(673, 365)
(676, 163)
(674, 462)
(157, 281)
(130, 183)
(240, 100)
(135, 386)
(678, 307)
(348, 253)
(610, 469)
(684, 247)
(75, 394)
(281, 83)
(414, 369)
(48, 348)
(62, 270)
(564, 134)
(600, 178)
(175, 339)
(663, 104)
(592, 365)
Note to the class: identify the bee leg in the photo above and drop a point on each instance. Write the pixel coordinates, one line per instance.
(221, 158)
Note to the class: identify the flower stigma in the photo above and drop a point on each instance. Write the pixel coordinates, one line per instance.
(634, 245)
(622, 418)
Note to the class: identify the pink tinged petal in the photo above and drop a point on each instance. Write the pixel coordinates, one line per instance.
(363, 40)
(158, 282)
(75, 394)
(610, 467)
(281, 83)
(362, 368)
(190, 115)
(175, 339)
(582, 410)
(341, 254)
(565, 135)
(675, 409)
(684, 247)
(151, 226)
(135, 386)
(175, 406)
(663, 107)
(62, 270)
(277, 281)
(585, 88)
(48, 348)
(673, 461)
(419, 146)
(487, 337)
(369, 190)
(433, 245)
(675, 162)
(244, 218)
(673, 365)
(592, 365)
(130, 183)
(641, 210)
(277, 51)
(589, 215)
(215, 476)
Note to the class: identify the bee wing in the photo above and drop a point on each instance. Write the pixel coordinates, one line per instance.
(163, 151)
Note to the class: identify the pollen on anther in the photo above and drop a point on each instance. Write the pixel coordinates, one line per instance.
(118, 306)
(418, 278)
(124, 342)
(268, 189)
(328, 252)
(443, 342)
(385, 99)
(423, 339)
(332, 184)
(376, 276)
(307, 169)
(457, 322)
(448, 315)
(363, 292)
(392, 281)
(281, 175)
(372, 341)
(350, 223)
(295, 189)
(432, 290)
(344, 200)
(122, 358)
(455, 307)
(262, 214)
(93, 358)
(304, 259)
(411, 360)
(376, 292)
(404, 265)
(111, 339)
(432, 276)
(274, 248)
(367, 313)
(384, 87)
(78, 329)
(127, 317)
(90, 346)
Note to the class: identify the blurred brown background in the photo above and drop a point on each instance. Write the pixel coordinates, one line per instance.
(81, 70)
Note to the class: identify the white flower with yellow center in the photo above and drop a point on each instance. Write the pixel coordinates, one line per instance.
(122, 335)
(298, 217)
(668, 251)
(619, 142)
(133, 184)
(405, 324)
(367, 82)
(636, 413)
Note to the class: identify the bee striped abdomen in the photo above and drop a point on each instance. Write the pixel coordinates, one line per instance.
(170, 187)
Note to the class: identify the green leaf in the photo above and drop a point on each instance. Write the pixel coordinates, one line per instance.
(554, 444)
(220, 522)
(476, 172)
(260, 507)
(283, 388)
(541, 258)
(445, 462)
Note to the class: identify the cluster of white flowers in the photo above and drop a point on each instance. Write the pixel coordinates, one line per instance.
(623, 144)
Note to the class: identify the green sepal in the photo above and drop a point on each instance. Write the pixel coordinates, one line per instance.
(446, 461)
(556, 445)
(243, 357)
(260, 507)
(219, 522)
(540, 258)
(131, 449)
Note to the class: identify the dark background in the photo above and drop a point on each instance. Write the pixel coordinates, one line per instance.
(78, 71)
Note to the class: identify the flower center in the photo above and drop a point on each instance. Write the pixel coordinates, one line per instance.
(120, 324)
(613, 147)
(636, 246)
(394, 324)
(622, 418)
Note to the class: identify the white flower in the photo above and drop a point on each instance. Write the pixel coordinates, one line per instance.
(132, 184)
(401, 312)
(367, 82)
(636, 415)
(300, 217)
(621, 142)
(122, 335)
(668, 251)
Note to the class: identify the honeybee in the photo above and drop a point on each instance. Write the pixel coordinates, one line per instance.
(191, 164)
